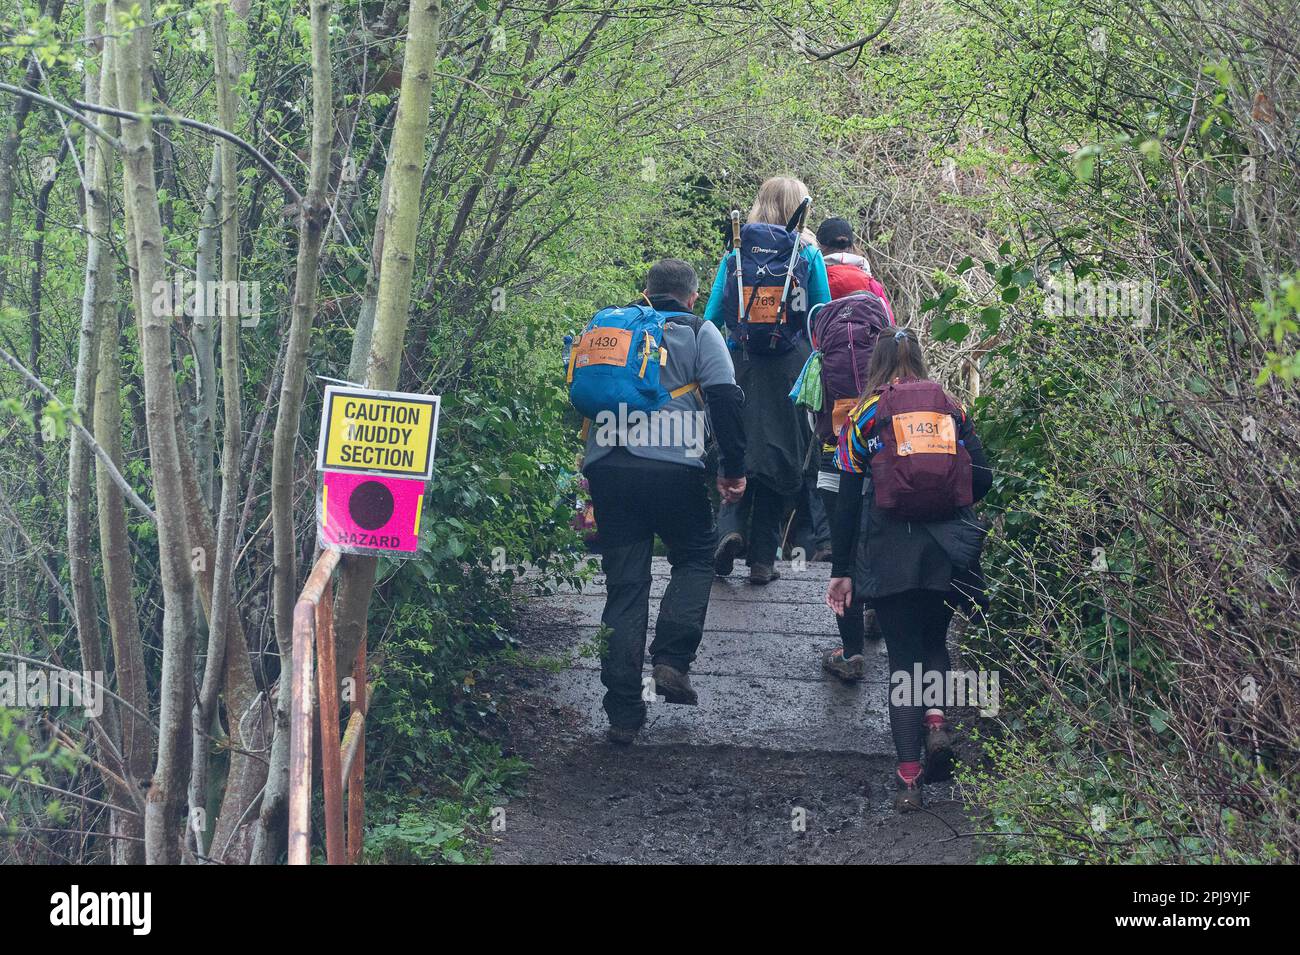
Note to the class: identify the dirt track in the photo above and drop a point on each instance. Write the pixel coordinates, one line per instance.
(778, 763)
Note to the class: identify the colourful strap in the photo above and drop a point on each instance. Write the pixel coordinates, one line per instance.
(684, 389)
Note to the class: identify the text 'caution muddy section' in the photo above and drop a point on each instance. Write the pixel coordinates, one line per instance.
(378, 432)
(375, 453)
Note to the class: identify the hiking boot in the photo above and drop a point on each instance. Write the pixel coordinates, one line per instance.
(622, 735)
(763, 574)
(938, 751)
(724, 558)
(907, 796)
(850, 669)
(674, 685)
(822, 555)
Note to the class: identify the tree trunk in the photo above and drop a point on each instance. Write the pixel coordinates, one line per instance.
(205, 270)
(163, 809)
(222, 599)
(114, 546)
(96, 299)
(392, 307)
(312, 217)
(13, 136)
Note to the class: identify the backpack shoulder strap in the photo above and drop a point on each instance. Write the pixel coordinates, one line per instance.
(690, 319)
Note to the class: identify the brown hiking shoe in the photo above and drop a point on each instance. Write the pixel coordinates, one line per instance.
(622, 735)
(938, 751)
(763, 574)
(724, 558)
(674, 685)
(907, 796)
(850, 669)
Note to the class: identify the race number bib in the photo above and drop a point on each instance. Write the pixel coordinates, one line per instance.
(766, 306)
(603, 346)
(840, 412)
(925, 432)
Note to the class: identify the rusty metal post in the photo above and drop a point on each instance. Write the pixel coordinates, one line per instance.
(331, 756)
(357, 775)
(306, 619)
(300, 718)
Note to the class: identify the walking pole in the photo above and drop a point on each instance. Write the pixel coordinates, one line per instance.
(740, 275)
(807, 459)
(794, 225)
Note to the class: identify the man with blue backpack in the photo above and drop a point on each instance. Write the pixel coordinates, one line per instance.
(653, 380)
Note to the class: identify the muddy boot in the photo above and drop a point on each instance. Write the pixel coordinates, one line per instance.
(724, 558)
(938, 749)
(622, 735)
(907, 793)
(850, 669)
(674, 685)
(763, 574)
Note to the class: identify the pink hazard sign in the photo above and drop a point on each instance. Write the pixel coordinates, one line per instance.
(366, 512)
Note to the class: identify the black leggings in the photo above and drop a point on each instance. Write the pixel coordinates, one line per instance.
(915, 626)
(853, 624)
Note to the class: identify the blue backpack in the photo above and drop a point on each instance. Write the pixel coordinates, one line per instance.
(759, 322)
(617, 359)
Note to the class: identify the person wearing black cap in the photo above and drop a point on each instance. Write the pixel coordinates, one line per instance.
(847, 268)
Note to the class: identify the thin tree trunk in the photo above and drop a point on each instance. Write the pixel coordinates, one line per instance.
(17, 119)
(94, 301)
(312, 217)
(219, 624)
(163, 809)
(393, 304)
(205, 270)
(35, 343)
(115, 554)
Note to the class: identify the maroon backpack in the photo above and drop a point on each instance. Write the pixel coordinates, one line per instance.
(845, 332)
(922, 471)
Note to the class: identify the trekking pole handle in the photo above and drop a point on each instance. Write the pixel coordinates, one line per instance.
(800, 214)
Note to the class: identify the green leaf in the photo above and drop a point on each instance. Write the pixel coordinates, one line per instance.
(956, 332)
(1159, 720)
(1084, 161)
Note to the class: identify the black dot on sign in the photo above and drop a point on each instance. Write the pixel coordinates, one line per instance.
(371, 505)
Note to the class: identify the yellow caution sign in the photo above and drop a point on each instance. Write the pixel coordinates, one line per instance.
(377, 432)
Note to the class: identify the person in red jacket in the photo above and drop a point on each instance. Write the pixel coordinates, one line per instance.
(847, 269)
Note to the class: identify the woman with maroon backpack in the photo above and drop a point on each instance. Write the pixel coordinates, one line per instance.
(910, 459)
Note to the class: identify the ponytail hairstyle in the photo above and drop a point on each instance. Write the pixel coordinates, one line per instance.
(897, 355)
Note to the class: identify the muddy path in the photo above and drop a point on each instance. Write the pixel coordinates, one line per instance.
(779, 763)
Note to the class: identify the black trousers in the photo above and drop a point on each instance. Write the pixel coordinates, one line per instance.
(756, 517)
(915, 626)
(634, 500)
